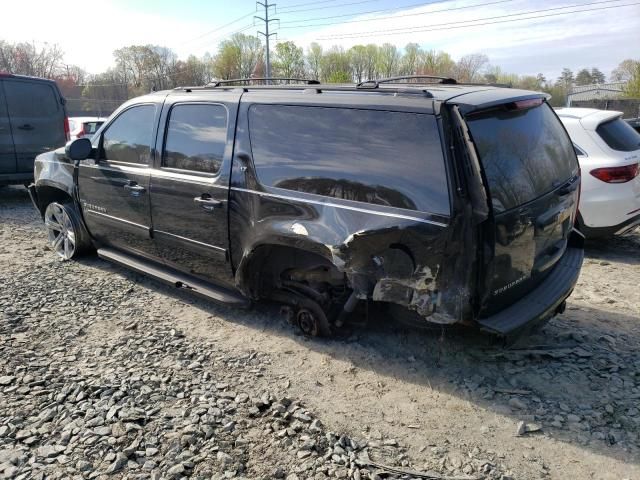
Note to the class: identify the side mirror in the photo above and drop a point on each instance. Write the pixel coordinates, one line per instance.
(78, 149)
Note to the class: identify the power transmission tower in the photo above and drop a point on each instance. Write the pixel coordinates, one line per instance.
(266, 33)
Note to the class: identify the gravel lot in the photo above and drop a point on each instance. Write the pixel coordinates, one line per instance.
(107, 374)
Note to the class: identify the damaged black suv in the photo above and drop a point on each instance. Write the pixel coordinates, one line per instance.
(455, 201)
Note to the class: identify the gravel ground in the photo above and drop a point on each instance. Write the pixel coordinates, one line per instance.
(107, 374)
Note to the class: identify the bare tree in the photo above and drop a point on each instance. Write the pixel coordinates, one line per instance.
(468, 68)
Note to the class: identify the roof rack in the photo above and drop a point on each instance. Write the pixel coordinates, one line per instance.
(376, 83)
(233, 81)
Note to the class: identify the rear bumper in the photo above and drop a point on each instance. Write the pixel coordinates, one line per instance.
(16, 178)
(541, 303)
(600, 232)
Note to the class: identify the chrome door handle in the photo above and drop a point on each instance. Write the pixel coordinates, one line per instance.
(135, 189)
(208, 203)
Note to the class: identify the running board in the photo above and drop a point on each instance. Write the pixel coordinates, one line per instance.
(175, 279)
(541, 303)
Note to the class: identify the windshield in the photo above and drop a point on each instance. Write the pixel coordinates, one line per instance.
(525, 153)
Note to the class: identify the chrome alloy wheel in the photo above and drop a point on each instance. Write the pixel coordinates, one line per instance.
(62, 236)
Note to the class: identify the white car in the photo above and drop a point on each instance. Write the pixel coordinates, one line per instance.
(84, 126)
(608, 151)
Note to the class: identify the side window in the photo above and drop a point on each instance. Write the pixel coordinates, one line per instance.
(379, 157)
(196, 138)
(30, 99)
(128, 138)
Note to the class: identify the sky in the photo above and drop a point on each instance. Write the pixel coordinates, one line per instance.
(597, 33)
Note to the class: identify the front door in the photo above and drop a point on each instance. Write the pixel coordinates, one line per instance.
(190, 186)
(7, 152)
(114, 189)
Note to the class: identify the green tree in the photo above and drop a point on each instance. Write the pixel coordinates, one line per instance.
(583, 77)
(411, 59)
(358, 59)
(388, 60)
(335, 66)
(314, 60)
(625, 70)
(565, 80)
(597, 76)
(289, 60)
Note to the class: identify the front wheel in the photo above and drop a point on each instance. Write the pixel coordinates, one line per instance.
(65, 233)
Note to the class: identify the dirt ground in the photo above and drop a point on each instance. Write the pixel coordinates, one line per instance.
(453, 401)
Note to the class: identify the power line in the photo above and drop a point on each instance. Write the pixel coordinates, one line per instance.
(398, 16)
(421, 4)
(217, 29)
(286, 7)
(400, 31)
(320, 8)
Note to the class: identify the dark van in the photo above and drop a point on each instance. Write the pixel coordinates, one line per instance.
(32, 121)
(456, 202)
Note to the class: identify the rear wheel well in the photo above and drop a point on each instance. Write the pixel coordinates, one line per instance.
(270, 263)
(47, 194)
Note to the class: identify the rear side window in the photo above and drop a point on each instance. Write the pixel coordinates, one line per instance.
(30, 99)
(379, 157)
(196, 138)
(128, 138)
(619, 135)
(89, 128)
(525, 153)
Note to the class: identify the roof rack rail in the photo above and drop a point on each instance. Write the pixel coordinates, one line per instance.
(308, 81)
(376, 83)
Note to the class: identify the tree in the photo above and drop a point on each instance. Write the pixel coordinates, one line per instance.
(597, 76)
(411, 59)
(358, 59)
(314, 60)
(565, 80)
(289, 60)
(335, 66)
(388, 60)
(371, 69)
(632, 88)
(583, 77)
(468, 67)
(436, 63)
(27, 59)
(625, 70)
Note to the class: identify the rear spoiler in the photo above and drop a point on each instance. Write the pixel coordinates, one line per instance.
(494, 97)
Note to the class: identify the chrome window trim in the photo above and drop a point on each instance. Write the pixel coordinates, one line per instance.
(338, 205)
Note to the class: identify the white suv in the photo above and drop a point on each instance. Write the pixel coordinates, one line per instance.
(608, 151)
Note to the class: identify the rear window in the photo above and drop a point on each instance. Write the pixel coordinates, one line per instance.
(525, 153)
(379, 157)
(619, 135)
(30, 99)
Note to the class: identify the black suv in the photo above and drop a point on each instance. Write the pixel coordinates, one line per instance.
(455, 201)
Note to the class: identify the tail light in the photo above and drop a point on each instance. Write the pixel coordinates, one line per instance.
(617, 174)
(67, 133)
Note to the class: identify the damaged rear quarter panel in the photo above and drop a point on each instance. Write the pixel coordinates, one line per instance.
(386, 254)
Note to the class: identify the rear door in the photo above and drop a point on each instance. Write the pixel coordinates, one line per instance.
(7, 152)
(114, 190)
(532, 173)
(190, 185)
(37, 117)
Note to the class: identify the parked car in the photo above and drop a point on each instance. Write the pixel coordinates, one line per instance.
(608, 151)
(84, 126)
(456, 202)
(32, 121)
